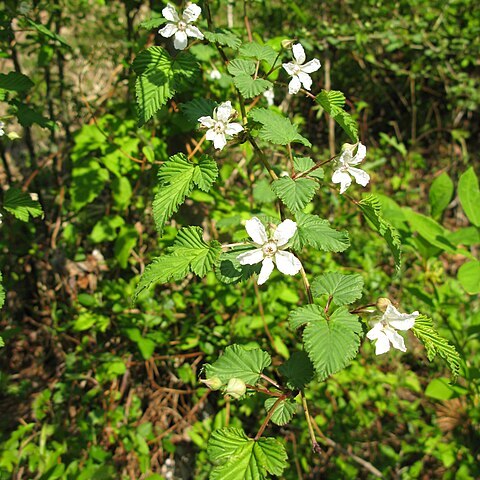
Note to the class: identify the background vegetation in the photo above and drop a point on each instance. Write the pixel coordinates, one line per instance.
(94, 388)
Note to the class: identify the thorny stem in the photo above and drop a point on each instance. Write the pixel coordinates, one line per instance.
(264, 390)
(290, 156)
(238, 244)
(306, 283)
(315, 167)
(362, 308)
(268, 417)
(315, 445)
(262, 157)
(269, 380)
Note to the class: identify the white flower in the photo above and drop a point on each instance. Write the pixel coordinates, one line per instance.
(215, 74)
(299, 70)
(219, 125)
(181, 27)
(344, 167)
(270, 96)
(384, 330)
(2, 131)
(270, 250)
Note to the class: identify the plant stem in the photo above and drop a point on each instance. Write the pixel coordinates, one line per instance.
(269, 380)
(268, 417)
(306, 283)
(315, 167)
(262, 157)
(315, 445)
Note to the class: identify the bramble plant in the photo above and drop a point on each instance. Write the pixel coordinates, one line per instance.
(332, 323)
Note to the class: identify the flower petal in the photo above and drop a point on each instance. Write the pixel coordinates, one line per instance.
(360, 155)
(168, 30)
(193, 32)
(299, 53)
(256, 231)
(382, 345)
(294, 85)
(224, 111)
(284, 232)
(343, 178)
(251, 257)
(361, 177)
(375, 332)
(265, 272)
(395, 338)
(287, 263)
(211, 134)
(233, 129)
(305, 79)
(181, 41)
(191, 13)
(207, 121)
(219, 141)
(170, 13)
(311, 66)
(400, 321)
(290, 68)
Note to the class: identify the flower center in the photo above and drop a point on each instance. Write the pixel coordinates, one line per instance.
(270, 249)
(219, 127)
(182, 25)
(297, 69)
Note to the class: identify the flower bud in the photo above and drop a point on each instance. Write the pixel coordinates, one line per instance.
(288, 43)
(213, 383)
(236, 388)
(383, 303)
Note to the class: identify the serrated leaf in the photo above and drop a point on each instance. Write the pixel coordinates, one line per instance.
(199, 107)
(440, 194)
(295, 194)
(2, 292)
(222, 36)
(239, 362)
(372, 210)
(189, 253)
(259, 52)
(249, 87)
(343, 289)
(435, 344)
(229, 270)
(330, 344)
(15, 82)
(153, 90)
(298, 370)
(242, 458)
(27, 116)
(276, 128)
(240, 66)
(316, 232)
(469, 195)
(302, 164)
(153, 22)
(21, 205)
(284, 412)
(205, 173)
(332, 102)
(262, 191)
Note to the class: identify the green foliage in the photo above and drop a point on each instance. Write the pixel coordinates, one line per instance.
(276, 128)
(469, 195)
(250, 87)
(15, 82)
(177, 179)
(440, 194)
(371, 208)
(21, 205)
(295, 194)
(284, 411)
(239, 362)
(189, 253)
(258, 52)
(159, 77)
(342, 289)
(2, 292)
(332, 102)
(223, 36)
(240, 458)
(229, 270)
(435, 344)
(469, 277)
(298, 371)
(331, 342)
(199, 107)
(316, 232)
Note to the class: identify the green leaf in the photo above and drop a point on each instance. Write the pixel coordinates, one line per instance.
(229, 270)
(262, 191)
(295, 194)
(302, 164)
(284, 412)
(199, 107)
(239, 362)
(435, 344)
(440, 194)
(249, 87)
(316, 232)
(440, 389)
(469, 195)
(88, 181)
(124, 243)
(153, 22)
(159, 78)
(240, 66)
(330, 343)
(258, 52)
(48, 33)
(298, 370)
(28, 116)
(225, 37)
(21, 205)
(241, 458)
(15, 82)
(371, 208)
(2, 292)
(276, 128)
(332, 102)
(343, 289)
(469, 277)
(189, 253)
(178, 176)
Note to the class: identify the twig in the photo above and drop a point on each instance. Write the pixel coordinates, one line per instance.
(306, 283)
(315, 445)
(268, 417)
